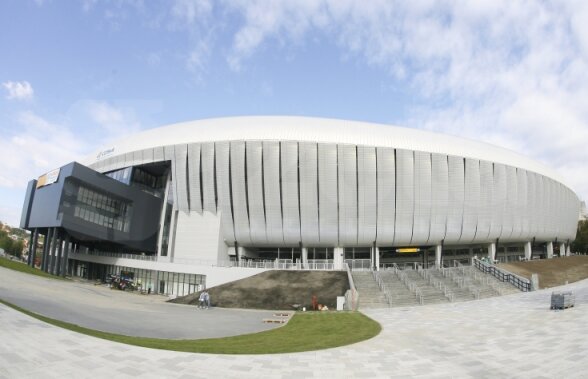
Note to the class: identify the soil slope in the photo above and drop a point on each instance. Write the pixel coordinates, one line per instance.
(552, 272)
(277, 289)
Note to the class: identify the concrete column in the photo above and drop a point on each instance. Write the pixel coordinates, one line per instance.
(240, 253)
(52, 251)
(549, 250)
(57, 263)
(304, 256)
(63, 270)
(338, 256)
(46, 248)
(562, 249)
(438, 251)
(528, 251)
(568, 251)
(33, 247)
(377, 252)
(492, 252)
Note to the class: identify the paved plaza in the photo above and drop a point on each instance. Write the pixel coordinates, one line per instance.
(512, 336)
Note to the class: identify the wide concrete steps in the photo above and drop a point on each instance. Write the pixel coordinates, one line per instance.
(370, 295)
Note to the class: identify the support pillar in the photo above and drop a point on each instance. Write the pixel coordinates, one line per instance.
(438, 252)
(377, 252)
(304, 256)
(46, 247)
(52, 250)
(562, 249)
(33, 247)
(568, 251)
(492, 252)
(549, 250)
(338, 255)
(528, 251)
(65, 256)
(57, 260)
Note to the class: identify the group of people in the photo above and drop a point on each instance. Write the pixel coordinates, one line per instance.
(204, 300)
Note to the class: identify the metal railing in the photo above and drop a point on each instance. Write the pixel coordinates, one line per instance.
(359, 264)
(351, 295)
(521, 283)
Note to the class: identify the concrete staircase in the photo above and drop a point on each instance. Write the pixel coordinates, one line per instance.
(398, 292)
(370, 295)
(430, 294)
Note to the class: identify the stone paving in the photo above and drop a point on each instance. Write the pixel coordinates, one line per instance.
(514, 336)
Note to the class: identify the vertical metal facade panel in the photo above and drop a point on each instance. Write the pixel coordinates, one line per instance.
(291, 212)
(169, 155)
(209, 192)
(471, 207)
(194, 177)
(255, 192)
(309, 215)
(137, 157)
(456, 199)
(148, 156)
(240, 201)
(273, 201)
(486, 194)
(549, 215)
(181, 154)
(158, 154)
(386, 176)
(440, 198)
(422, 198)
(366, 195)
(498, 201)
(347, 157)
(510, 227)
(222, 151)
(522, 209)
(404, 197)
(328, 199)
(532, 204)
(541, 207)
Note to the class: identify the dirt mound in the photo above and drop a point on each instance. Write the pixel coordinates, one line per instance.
(277, 289)
(552, 272)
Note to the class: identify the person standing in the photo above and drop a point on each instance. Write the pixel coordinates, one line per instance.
(207, 299)
(201, 299)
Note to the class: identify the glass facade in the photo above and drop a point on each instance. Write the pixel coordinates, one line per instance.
(99, 209)
(123, 175)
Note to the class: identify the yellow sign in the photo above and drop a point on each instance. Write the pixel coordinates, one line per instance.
(408, 250)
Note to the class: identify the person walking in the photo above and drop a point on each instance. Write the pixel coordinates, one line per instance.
(201, 300)
(207, 299)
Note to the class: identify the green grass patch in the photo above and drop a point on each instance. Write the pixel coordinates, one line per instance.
(304, 332)
(23, 267)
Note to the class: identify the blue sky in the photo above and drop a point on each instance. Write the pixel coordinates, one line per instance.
(75, 75)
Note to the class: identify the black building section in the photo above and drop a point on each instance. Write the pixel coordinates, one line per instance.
(76, 206)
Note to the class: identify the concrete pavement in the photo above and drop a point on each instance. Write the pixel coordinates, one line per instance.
(514, 336)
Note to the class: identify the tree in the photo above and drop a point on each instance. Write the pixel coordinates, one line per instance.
(580, 244)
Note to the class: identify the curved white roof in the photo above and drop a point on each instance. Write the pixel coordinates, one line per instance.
(280, 128)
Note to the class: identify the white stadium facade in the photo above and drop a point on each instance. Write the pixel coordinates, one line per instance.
(242, 194)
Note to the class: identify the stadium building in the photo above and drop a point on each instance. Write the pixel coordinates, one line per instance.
(206, 202)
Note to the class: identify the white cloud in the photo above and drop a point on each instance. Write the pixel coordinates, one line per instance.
(509, 73)
(19, 90)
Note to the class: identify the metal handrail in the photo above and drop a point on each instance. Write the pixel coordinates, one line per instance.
(522, 284)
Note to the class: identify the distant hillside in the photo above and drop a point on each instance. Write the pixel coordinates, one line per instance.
(277, 289)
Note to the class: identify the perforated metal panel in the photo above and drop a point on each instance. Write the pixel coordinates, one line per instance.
(291, 215)
(440, 197)
(255, 192)
(209, 192)
(404, 197)
(386, 195)
(366, 196)
(148, 156)
(471, 206)
(541, 208)
(532, 204)
(240, 201)
(486, 194)
(498, 201)
(456, 199)
(273, 206)
(422, 203)
(347, 195)
(181, 155)
(511, 226)
(158, 155)
(169, 154)
(327, 181)
(309, 228)
(222, 151)
(194, 177)
(137, 157)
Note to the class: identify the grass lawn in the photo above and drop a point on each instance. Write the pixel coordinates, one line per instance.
(304, 332)
(23, 267)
